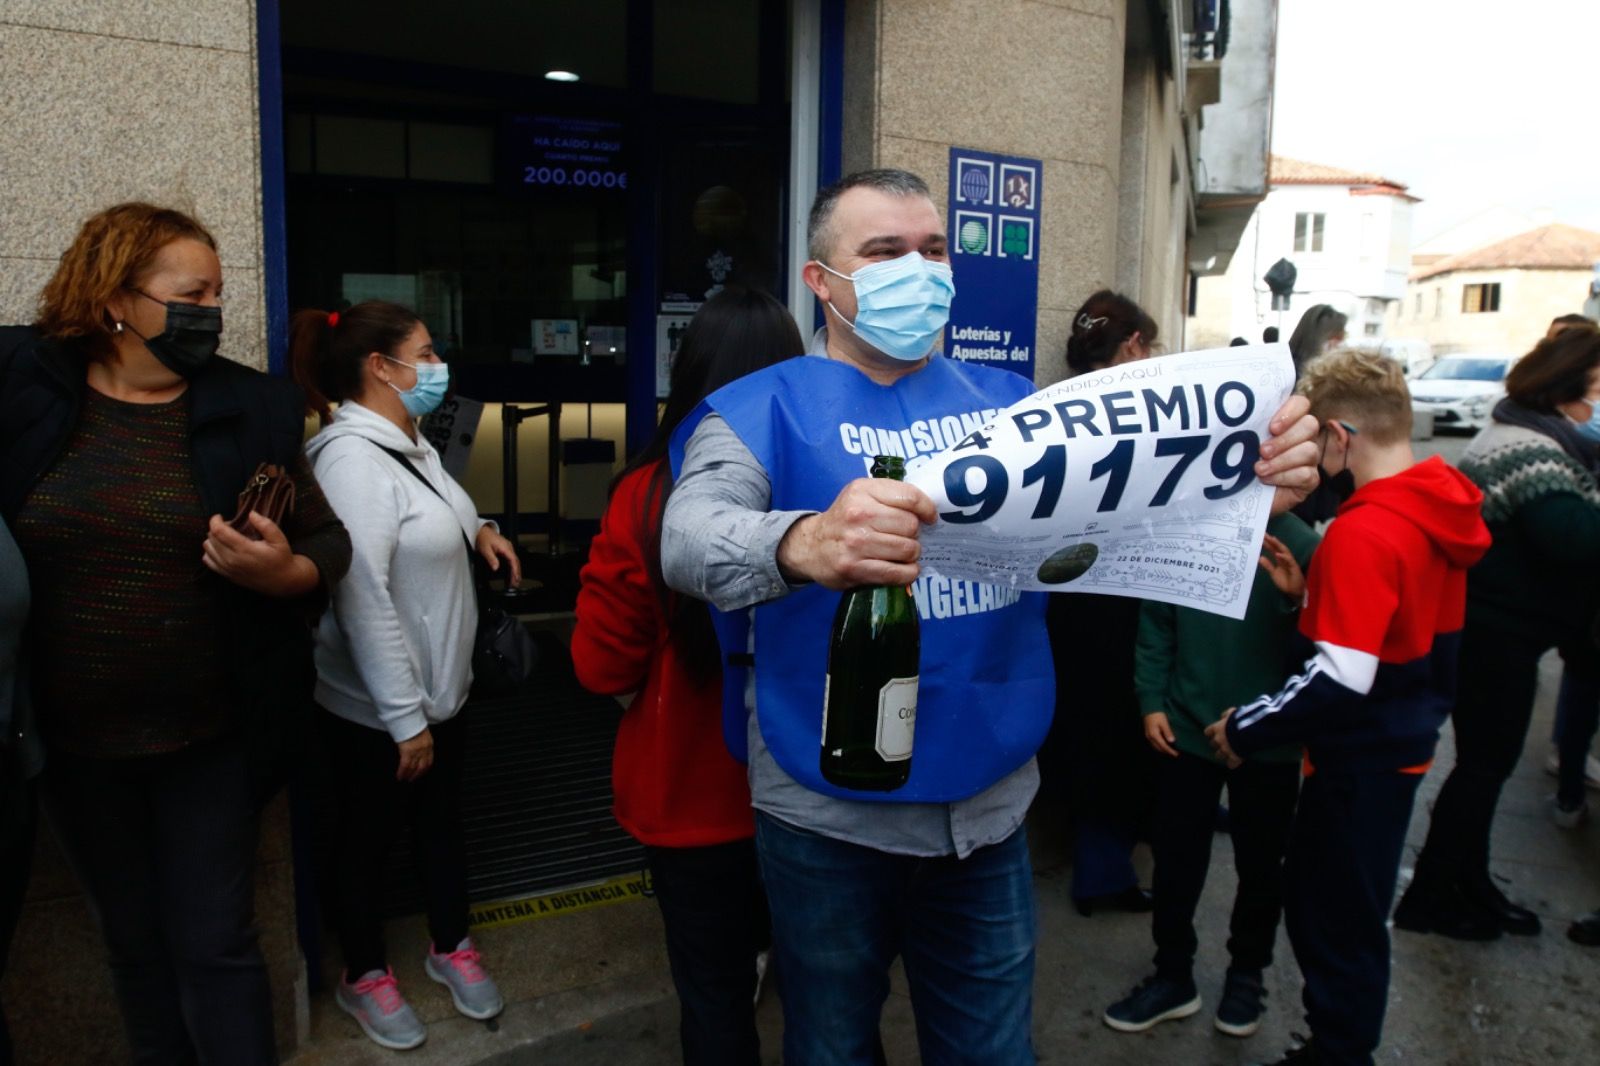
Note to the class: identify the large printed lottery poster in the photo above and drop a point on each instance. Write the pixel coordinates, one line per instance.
(1137, 480)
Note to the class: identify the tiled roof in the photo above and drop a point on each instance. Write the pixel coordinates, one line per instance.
(1286, 171)
(1552, 247)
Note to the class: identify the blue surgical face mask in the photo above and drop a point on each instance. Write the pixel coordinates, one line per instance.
(1591, 428)
(433, 381)
(902, 305)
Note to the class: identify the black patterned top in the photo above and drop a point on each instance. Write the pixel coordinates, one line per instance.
(131, 631)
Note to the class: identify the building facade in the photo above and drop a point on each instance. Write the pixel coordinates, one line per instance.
(1502, 296)
(555, 186)
(1348, 235)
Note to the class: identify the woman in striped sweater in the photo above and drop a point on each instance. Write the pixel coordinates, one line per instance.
(1537, 588)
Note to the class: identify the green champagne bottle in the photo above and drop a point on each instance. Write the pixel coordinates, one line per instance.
(869, 707)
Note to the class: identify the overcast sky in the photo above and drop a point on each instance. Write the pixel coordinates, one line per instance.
(1469, 102)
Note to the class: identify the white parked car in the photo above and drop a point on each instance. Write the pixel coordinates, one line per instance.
(1414, 356)
(1461, 390)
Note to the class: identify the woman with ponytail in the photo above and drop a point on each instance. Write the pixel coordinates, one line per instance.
(1109, 767)
(394, 655)
(1109, 330)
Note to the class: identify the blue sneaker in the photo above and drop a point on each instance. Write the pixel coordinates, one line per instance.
(1239, 1013)
(1157, 999)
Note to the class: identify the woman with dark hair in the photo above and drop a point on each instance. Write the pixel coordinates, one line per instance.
(170, 654)
(1109, 330)
(1108, 767)
(1534, 590)
(394, 655)
(1319, 330)
(678, 790)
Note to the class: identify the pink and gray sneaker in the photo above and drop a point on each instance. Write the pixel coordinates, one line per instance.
(461, 971)
(376, 1004)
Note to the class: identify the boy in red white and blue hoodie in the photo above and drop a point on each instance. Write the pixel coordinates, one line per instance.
(1385, 602)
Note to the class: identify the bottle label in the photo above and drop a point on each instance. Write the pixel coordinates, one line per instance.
(897, 718)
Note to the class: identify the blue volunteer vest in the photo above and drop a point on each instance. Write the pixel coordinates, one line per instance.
(987, 687)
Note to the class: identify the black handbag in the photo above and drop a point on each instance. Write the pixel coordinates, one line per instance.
(504, 655)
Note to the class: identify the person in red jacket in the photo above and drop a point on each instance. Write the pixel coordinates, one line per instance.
(1385, 602)
(678, 790)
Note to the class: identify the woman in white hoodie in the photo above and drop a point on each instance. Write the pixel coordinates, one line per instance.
(394, 655)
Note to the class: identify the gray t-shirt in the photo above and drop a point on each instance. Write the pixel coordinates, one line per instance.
(719, 542)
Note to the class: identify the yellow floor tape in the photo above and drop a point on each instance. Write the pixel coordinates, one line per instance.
(565, 901)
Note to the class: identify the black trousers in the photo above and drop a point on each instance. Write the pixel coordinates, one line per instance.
(19, 809)
(1261, 798)
(372, 809)
(715, 912)
(165, 847)
(1494, 703)
(1344, 857)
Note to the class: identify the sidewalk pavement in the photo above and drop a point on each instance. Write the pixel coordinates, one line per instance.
(592, 988)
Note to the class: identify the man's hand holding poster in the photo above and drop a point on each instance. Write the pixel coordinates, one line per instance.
(1137, 480)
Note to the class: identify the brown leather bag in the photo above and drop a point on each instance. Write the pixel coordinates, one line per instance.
(269, 493)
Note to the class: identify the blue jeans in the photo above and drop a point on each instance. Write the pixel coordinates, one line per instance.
(965, 928)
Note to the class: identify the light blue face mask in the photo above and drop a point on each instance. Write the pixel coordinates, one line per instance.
(1591, 428)
(433, 381)
(902, 305)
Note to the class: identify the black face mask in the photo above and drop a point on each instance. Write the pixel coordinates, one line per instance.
(1341, 485)
(190, 340)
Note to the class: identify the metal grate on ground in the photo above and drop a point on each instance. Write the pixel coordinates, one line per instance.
(537, 799)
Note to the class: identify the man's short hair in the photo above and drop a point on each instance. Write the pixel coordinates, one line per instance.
(819, 235)
(1363, 388)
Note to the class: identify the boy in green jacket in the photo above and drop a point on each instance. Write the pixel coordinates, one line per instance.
(1190, 666)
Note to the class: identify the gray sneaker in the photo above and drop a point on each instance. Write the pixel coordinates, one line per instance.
(461, 971)
(382, 1012)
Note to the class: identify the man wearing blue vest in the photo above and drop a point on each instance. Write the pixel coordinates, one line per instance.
(770, 515)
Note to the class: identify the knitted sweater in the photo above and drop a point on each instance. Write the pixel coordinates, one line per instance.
(1542, 573)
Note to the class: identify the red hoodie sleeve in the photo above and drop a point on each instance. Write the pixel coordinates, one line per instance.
(619, 622)
(1352, 596)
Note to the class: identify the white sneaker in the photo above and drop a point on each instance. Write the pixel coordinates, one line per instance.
(376, 1004)
(461, 971)
(1567, 819)
(1591, 768)
(763, 961)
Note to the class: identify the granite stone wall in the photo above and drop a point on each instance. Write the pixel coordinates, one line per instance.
(109, 100)
(1046, 79)
(103, 101)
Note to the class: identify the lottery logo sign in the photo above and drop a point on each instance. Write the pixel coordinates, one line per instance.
(994, 246)
(974, 181)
